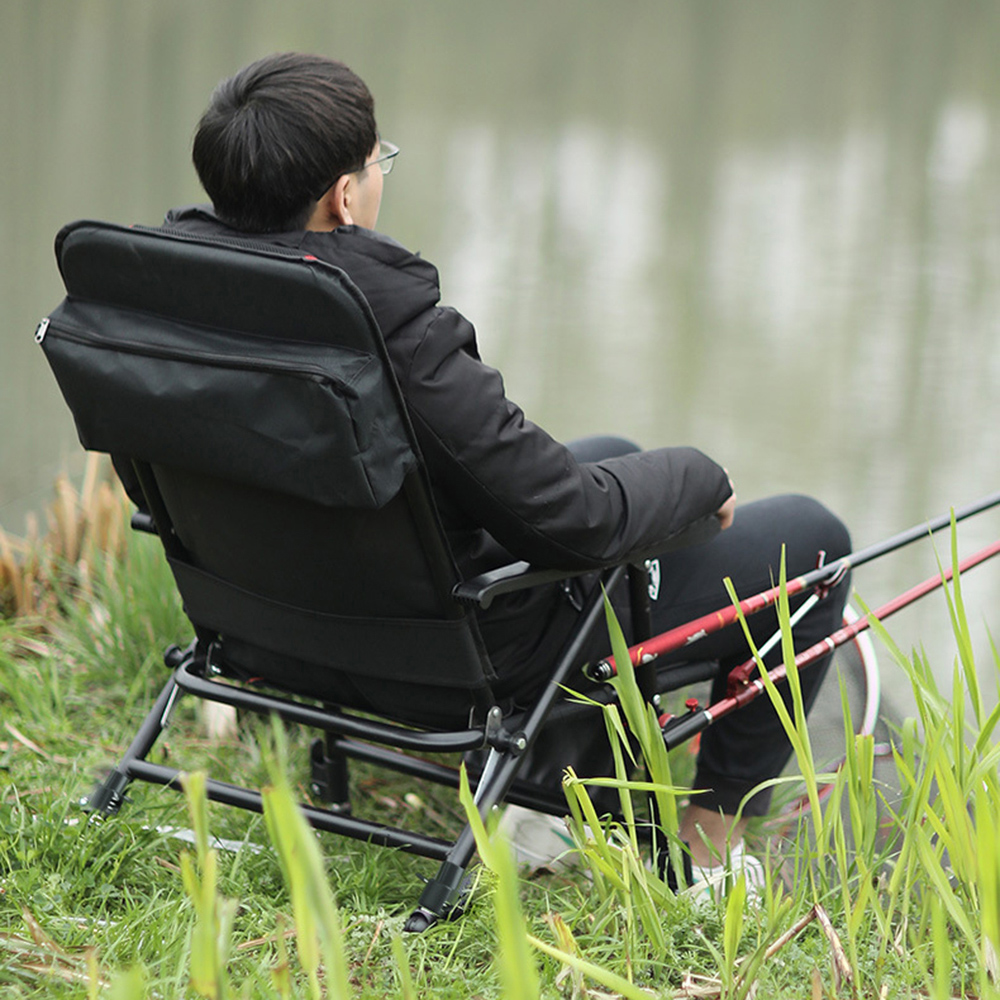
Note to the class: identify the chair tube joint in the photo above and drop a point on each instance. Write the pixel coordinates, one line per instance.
(498, 738)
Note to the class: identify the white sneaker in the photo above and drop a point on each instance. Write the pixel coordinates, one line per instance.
(715, 881)
(538, 840)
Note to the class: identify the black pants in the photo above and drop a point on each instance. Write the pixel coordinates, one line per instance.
(749, 746)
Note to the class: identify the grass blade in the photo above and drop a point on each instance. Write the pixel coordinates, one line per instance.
(515, 962)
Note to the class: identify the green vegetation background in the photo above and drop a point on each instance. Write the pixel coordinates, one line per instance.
(869, 896)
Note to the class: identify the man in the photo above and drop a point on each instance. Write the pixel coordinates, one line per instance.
(289, 153)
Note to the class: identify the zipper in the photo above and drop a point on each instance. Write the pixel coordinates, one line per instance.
(244, 362)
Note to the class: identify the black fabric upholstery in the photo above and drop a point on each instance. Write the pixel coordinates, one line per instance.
(417, 650)
(214, 389)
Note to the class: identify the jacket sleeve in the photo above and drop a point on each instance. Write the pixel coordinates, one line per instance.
(511, 478)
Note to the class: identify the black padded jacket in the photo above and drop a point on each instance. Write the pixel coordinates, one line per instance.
(503, 486)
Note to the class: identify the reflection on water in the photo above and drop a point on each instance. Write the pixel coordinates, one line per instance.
(769, 230)
(554, 268)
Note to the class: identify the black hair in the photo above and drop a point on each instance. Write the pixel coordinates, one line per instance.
(277, 134)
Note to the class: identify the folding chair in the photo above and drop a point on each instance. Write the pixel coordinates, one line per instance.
(252, 392)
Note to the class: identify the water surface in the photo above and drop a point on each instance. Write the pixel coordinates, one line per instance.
(769, 230)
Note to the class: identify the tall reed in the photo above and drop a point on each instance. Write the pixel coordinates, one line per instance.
(915, 873)
(85, 527)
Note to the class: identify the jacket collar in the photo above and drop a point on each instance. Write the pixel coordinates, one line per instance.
(397, 283)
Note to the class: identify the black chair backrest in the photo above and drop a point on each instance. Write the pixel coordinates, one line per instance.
(252, 390)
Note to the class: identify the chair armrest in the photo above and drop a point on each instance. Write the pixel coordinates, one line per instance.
(143, 521)
(520, 575)
(507, 579)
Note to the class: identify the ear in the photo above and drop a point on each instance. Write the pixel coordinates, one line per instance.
(333, 208)
(341, 195)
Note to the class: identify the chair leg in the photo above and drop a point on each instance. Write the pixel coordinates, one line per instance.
(109, 795)
(444, 895)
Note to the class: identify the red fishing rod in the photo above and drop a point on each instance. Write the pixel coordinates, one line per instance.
(681, 728)
(822, 578)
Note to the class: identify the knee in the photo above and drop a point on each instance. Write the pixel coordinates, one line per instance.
(814, 527)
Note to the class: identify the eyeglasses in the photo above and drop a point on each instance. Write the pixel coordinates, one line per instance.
(386, 159)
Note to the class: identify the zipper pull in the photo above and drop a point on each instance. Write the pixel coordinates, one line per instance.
(41, 330)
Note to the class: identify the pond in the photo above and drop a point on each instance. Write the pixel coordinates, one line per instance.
(769, 230)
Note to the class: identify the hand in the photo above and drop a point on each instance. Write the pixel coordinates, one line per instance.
(725, 512)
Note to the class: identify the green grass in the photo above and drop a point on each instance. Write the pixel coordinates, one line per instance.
(899, 894)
